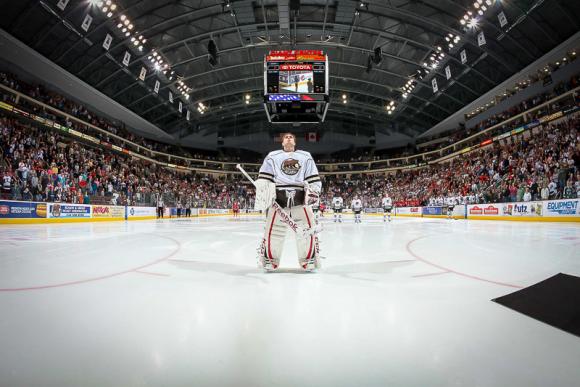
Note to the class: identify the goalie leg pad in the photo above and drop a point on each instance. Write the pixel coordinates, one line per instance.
(273, 242)
(306, 245)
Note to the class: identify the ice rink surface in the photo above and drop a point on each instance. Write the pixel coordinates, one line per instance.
(182, 303)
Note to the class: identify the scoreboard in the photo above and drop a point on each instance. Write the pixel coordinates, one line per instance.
(296, 71)
(296, 87)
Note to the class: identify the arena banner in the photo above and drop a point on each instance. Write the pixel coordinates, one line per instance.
(210, 211)
(564, 207)
(135, 212)
(64, 210)
(13, 209)
(218, 211)
(571, 110)
(531, 124)
(484, 210)
(6, 106)
(551, 117)
(108, 212)
(433, 211)
(522, 209)
(408, 211)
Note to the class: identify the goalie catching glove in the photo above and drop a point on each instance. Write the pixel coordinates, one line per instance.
(265, 194)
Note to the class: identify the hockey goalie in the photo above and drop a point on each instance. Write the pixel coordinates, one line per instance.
(288, 185)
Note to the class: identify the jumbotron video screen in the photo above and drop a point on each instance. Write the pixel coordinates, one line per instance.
(296, 71)
(296, 87)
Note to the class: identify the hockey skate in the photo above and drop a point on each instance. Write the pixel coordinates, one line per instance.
(311, 264)
(265, 263)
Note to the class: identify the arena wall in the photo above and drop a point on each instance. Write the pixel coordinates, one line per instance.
(19, 212)
(562, 210)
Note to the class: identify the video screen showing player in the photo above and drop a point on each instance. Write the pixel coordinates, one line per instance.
(296, 81)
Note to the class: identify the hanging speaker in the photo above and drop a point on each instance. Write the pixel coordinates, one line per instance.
(212, 48)
(212, 51)
(295, 5)
(369, 64)
(212, 61)
(378, 57)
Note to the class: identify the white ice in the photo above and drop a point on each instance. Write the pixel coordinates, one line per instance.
(182, 303)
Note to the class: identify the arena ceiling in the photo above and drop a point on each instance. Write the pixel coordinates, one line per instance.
(407, 33)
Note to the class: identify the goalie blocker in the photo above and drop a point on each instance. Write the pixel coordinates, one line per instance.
(287, 185)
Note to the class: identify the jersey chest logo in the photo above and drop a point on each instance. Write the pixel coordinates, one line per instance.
(290, 166)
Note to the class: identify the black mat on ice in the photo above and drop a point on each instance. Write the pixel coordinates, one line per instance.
(555, 301)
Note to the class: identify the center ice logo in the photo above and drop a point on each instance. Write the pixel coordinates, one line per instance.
(290, 166)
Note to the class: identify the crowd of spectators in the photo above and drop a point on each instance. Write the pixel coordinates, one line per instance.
(43, 165)
(454, 135)
(75, 109)
(57, 101)
(541, 165)
(530, 103)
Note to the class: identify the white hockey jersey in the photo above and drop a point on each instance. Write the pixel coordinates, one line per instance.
(387, 202)
(337, 203)
(289, 170)
(7, 182)
(356, 204)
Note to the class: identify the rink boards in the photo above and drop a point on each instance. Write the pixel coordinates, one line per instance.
(563, 210)
(17, 212)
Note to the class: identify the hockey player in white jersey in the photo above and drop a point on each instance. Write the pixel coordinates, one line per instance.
(357, 209)
(337, 204)
(316, 209)
(387, 203)
(290, 178)
(450, 201)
